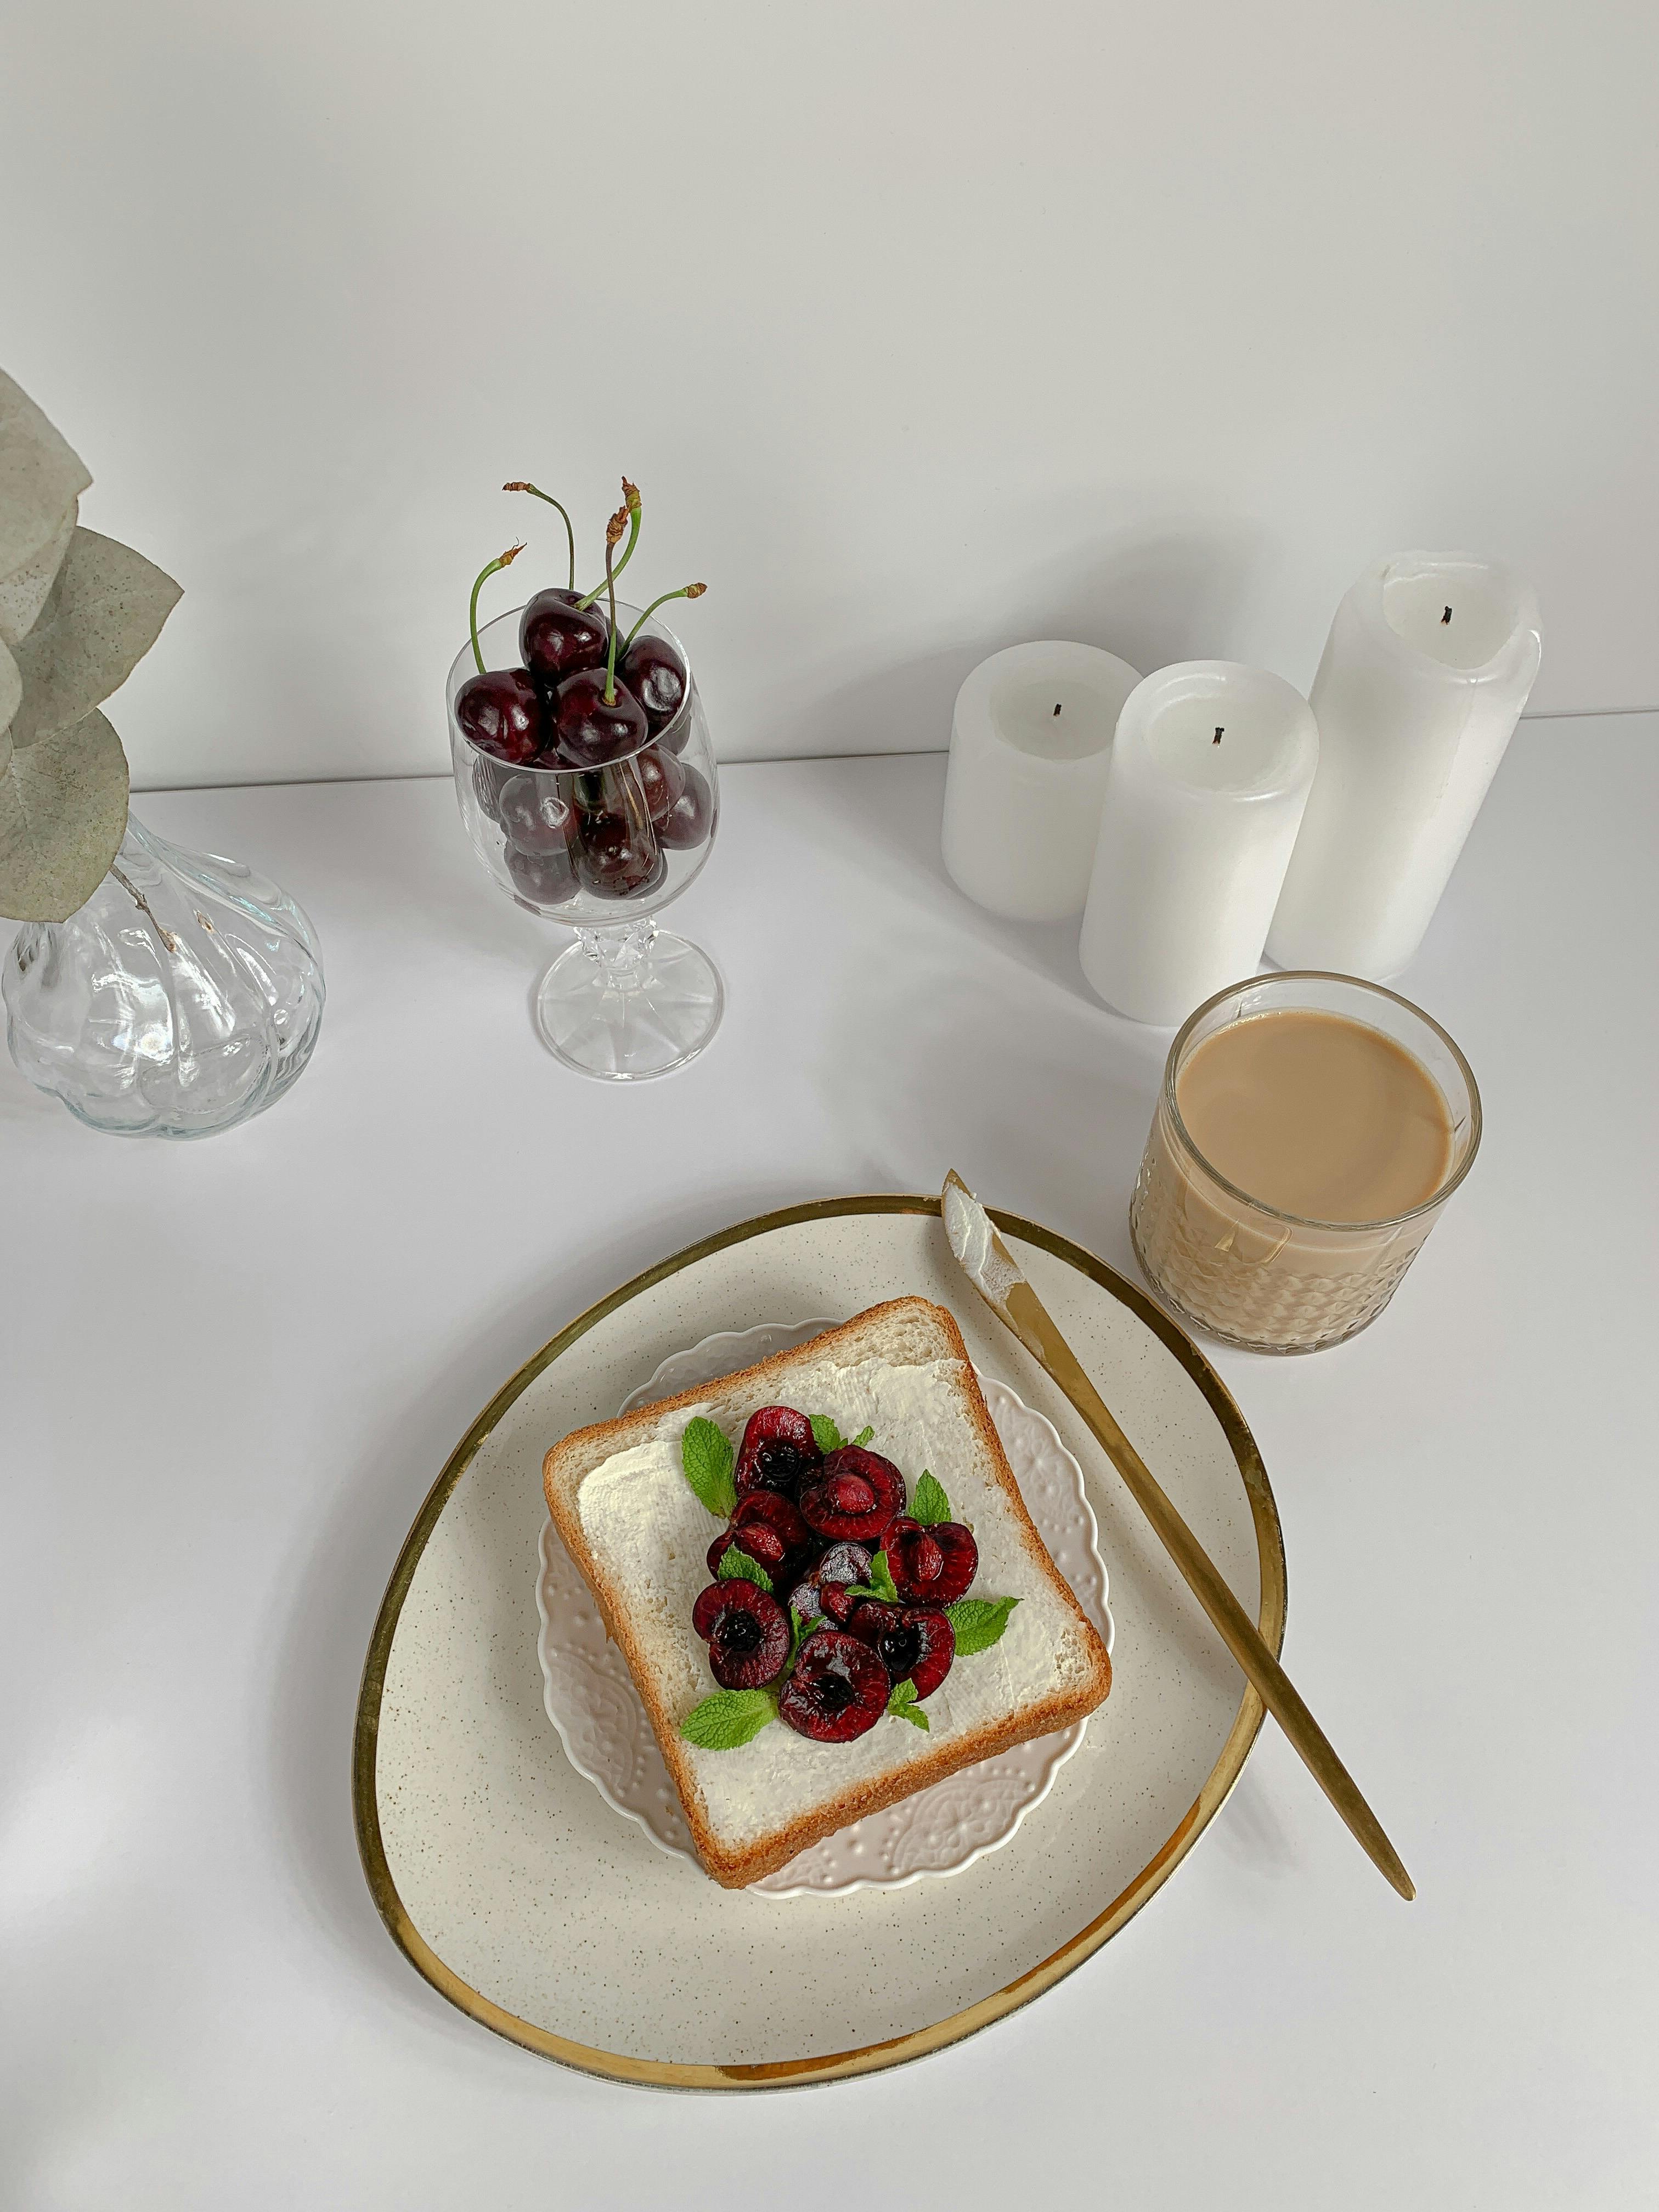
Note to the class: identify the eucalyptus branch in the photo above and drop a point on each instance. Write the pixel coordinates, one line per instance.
(140, 901)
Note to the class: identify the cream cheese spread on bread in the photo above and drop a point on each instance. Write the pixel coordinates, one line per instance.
(649, 1534)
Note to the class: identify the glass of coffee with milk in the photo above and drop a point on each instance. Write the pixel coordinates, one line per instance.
(1309, 1131)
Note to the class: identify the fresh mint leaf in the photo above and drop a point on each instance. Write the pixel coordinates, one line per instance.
(930, 1505)
(902, 1706)
(737, 1566)
(729, 1718)
(978, 1622)
(708, 1458)
(880, 1584)
(859, 1441)
(799, 1630)
(825, 1435)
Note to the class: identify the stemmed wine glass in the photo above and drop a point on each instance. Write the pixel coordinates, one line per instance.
(603, 850)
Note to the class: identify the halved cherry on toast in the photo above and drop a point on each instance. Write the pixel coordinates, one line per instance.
(930, 1566)
(853, 1496)
(777, 1451)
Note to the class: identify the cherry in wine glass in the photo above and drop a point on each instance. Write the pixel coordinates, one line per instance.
(656, 676)
(561, 631)
(501, 710)
(687, 822)
(596, 719)
(628, 998)
(559, 637)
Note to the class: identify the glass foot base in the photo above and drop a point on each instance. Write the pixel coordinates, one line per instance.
(624, 1011)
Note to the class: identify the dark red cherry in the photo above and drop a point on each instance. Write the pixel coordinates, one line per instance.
(487, 776)
(778, 1448)
(536, 813)
(656, 674)
(647, 783)
(589, 729)
(842, 1567)
(707, 1610)
(769, 1529)
(662, 780)
(931, 1566)
(502, 713)
(853, 1496)
(556, 637)
(914, 1643)
(838, 1689)
(688, 820)
(617, 859)
(544, 879)
(747, 1633)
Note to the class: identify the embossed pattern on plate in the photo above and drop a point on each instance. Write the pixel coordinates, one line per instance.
(592, 1703)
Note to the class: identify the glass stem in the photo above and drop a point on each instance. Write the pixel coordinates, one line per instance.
(620, 952)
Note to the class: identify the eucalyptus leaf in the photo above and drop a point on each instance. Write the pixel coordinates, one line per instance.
(24, 593)
(41, 475)
(11, 688)
(105, 611)
(62, 815)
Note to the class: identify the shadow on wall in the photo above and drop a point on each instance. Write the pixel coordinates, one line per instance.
(1149, 597)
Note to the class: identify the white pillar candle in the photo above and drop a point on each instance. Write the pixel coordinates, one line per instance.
(1209, 775)
(1030, 743)
(1426, 669)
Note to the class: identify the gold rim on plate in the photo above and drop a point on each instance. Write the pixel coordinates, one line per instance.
(872, 2057)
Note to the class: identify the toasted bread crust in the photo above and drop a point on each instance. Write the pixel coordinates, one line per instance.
(568, 1463)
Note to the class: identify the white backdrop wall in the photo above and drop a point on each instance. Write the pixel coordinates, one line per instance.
(924, 325)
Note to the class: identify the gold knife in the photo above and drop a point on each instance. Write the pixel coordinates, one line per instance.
(995, 1273)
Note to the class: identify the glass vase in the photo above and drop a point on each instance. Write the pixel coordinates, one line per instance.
(185, 996)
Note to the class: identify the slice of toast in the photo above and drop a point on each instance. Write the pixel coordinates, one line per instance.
(621, 1502)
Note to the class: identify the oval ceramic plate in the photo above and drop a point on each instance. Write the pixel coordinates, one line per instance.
(511, 1886)
(592, 1703)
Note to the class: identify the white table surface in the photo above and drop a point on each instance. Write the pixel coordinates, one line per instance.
(232, 1369)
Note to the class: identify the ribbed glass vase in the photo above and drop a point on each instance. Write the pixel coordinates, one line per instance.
(185, 996)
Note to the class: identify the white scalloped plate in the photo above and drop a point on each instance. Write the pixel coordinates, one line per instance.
(592, 1703)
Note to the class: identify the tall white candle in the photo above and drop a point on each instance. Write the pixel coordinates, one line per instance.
(1426, 669)
(1029, 743)
(1209, 775)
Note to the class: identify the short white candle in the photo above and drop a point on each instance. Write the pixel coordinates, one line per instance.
(1209, 775)
(1426, 669)
(1029, 743)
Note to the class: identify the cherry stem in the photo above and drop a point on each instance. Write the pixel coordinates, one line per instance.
(502, 561)
(611, 582)
(631, 507)
(686, 592)
(536, 492)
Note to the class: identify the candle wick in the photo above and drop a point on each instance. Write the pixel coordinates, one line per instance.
(1445, 618)
(1056, 706)
(1216, 739)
